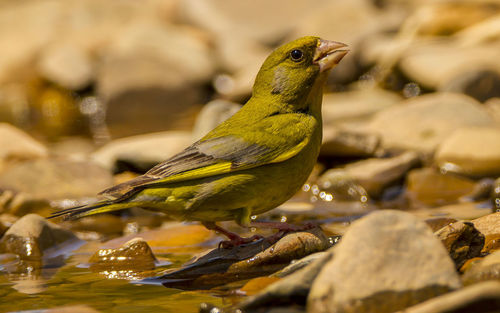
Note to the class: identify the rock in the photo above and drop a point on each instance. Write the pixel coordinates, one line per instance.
(493, 107)
(385, 262)
(337, 184)
(81, 308)
(134, 255)
(299, 264)
(429, 187)
(14, 143)
(293, 289)
(358, 105)
(347, 143)
(66, 65)
(478, 298)
(419, 124)
(56, 178)
(471, 151)
(462, 240)
(489, 226)
(459, 211)
(374, 175)
(169, 65)
(482, 191)
(221, 266)
(479, 33)
(481, 84)
(436, 223)
(141, 152)
(487, 268)
(495, 195)
(212, 114)
(32, 236)
(438, 63)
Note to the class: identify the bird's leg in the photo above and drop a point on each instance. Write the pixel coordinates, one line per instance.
(234, 239)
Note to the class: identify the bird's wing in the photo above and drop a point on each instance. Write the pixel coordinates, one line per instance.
(260, 144)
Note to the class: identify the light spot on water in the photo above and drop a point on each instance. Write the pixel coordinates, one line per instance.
(283, 219)
(306, 187)
(253, 217)
(411, 90)
(363, 199)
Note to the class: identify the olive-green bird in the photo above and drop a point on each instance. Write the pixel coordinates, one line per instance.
(252, 162)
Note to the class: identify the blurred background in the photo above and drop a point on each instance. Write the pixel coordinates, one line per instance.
(93, 88)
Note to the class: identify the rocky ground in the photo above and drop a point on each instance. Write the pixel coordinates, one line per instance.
(406, 191)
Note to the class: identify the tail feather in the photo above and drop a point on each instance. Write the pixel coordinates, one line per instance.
(90, 209)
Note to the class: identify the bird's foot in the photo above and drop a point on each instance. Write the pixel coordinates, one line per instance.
(284, 227)
(234, 239)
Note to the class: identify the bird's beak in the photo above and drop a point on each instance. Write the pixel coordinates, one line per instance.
(328, 54)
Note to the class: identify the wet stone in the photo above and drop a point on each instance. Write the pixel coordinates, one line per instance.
(32, 236)
(462, 240)
(133, 255)
(487, 268)
(15, 143)
(347, 143)
(471, 151)
(386, 261)
(479, 298)
(481, 84)
(212, 114)
(436, 223)
(429, 187)
(489, 226)
(337, 184)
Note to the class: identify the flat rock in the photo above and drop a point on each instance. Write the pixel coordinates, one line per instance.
(386, 261)
(458, 211)
(293, 288)
(56, 178)
(357, 105)
(471, 151)
(260, 258)
(141, 152)
(339, 142)
(462, 240)
(487, 268)
(32, 236)
(374, 175)
(478, 298)
(428, 187)
(66, 65)
(419, 124)
(212, 114)
(14, 143)
(481, 84)
(489, 226)
(493, 107)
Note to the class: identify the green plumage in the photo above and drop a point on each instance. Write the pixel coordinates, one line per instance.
(250, 163)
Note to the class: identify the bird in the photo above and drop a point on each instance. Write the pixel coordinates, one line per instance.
(250, 163)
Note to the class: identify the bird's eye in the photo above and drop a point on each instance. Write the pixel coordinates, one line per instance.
(296, 55)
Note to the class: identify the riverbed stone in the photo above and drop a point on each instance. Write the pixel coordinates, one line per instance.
(339, 142)
(55, 178)
(32, 235)
(478, 298)
(375, 174)
(489, 226)
(386, 261)
(462, 240)
(212, 114)
(429, 187)
(141, 152)
(419, 123)
(14, 143)
(487, 268)
(472, 151)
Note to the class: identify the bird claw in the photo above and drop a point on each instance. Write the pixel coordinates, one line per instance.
(238, 241)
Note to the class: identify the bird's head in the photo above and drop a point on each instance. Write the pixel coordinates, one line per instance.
(291, 71)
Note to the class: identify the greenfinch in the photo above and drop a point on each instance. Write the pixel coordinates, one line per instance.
(252, 162)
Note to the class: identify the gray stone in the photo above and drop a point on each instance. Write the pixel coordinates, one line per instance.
(386, 261)
(374, 175)
(489, 226)
(55, 179)
(348, 143)
(487, 268)
(479, 298)
(15, 143)
(422, 123)
(471, 151)
(212, 114)
(142, 151)
(66, 65)
(462, 240)
(32, 236)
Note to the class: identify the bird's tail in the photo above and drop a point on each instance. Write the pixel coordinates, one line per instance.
(91, 209)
